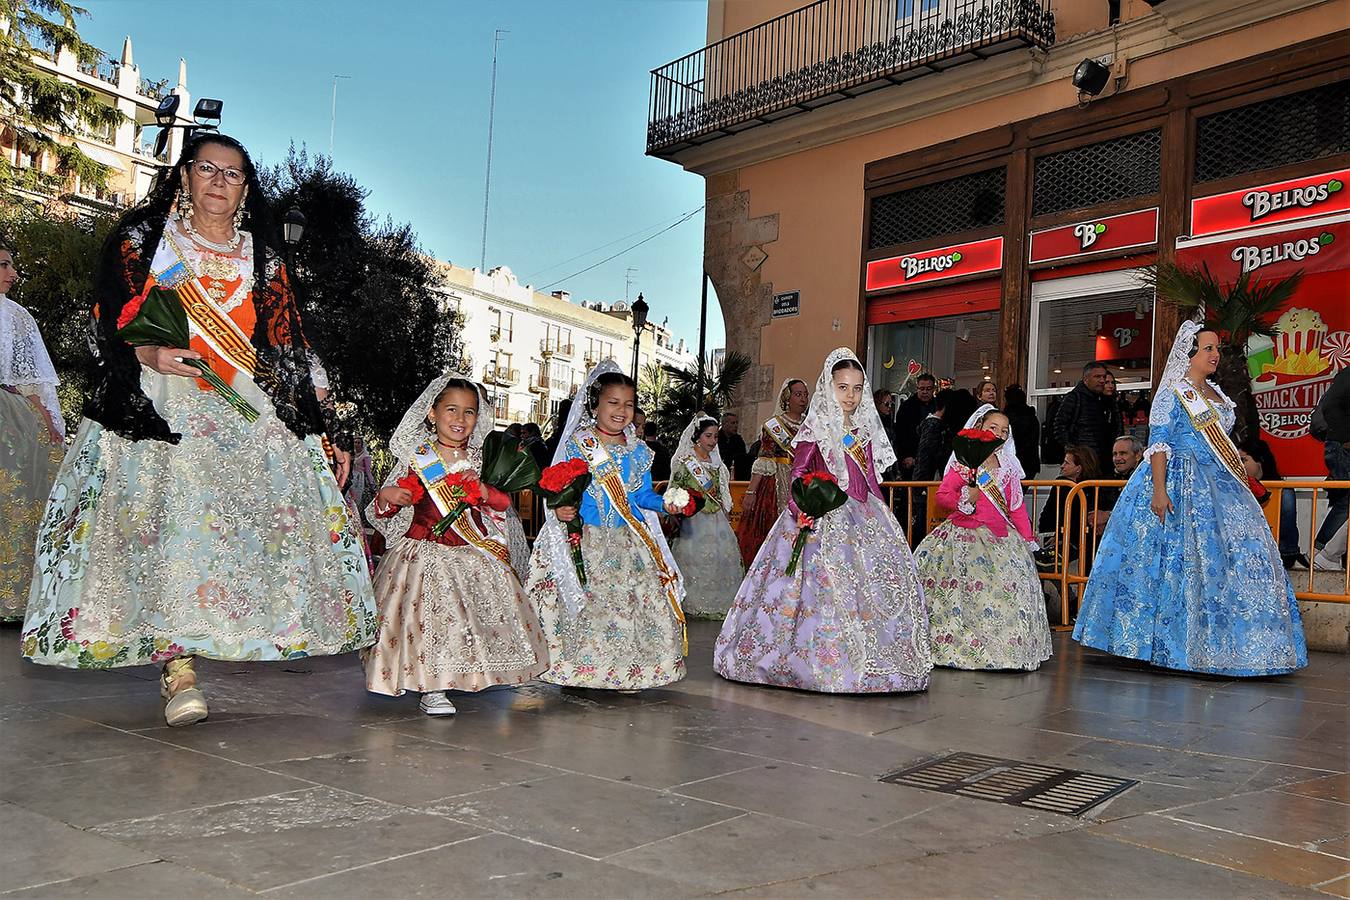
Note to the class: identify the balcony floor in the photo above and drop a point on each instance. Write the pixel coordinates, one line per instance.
(303, 785)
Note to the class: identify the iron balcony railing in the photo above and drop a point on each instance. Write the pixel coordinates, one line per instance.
(828, 51)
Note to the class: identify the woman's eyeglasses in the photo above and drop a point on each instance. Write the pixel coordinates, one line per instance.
(208, 170)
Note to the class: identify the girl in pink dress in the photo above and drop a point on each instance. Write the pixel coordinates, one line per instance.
(986, 605)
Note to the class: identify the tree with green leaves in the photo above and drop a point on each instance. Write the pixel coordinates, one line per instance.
(1237, 311)
(56, 257)
(39, 107)
(368, 295)
(682, 395)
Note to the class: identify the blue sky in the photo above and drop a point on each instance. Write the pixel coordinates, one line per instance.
(568, 170)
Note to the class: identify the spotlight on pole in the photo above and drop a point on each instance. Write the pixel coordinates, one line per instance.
(293, 226)
(207, 112)
(640, 309)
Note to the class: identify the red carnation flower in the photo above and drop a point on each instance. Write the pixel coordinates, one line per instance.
(556, 477)
(812, 477)
(132, 307)
(978, 434)
(413, 485)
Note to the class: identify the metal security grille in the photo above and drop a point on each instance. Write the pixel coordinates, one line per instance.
(944, 207)
(1309, 125)
(1015, 783)
(1118, 169)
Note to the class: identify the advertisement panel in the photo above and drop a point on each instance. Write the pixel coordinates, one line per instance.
(1291, 371)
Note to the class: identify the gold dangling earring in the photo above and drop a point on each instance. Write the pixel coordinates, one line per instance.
(184, 203)
(239, 217)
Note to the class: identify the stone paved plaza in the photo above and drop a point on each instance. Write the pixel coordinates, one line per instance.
(302, 785)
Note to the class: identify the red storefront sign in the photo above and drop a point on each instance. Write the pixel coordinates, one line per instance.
(927, 266)
(1271, 204)
(1083, 239)
(1124, 336)
(1291, 371)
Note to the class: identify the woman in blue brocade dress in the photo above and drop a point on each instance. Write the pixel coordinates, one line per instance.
(1188, 575)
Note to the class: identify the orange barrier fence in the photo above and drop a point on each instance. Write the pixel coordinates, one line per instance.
(1081, 511)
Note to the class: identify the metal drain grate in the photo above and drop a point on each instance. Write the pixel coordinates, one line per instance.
(1013, 782)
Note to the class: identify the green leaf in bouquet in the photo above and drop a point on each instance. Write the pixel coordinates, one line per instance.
(506, 466)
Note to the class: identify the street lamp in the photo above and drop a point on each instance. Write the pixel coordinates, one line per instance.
(640, 308)
(292, 229)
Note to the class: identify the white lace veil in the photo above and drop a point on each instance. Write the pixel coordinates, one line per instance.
(824, 422)
(552, 540)
(24, 362)
(684, 451)
(1178, 363)
(1007, 451)
(411, 433)
(780, 404)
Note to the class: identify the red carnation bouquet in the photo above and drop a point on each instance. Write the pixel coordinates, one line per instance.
(972, 447)
(816, 494)
(562, 484)
(157, 319)
(463, 487)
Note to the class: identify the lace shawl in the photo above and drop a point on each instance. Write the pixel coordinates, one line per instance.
(824, 423)
(24, 362)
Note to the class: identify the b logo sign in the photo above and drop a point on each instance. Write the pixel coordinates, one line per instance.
(1088, 232)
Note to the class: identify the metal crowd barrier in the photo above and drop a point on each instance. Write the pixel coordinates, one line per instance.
(1065, 561)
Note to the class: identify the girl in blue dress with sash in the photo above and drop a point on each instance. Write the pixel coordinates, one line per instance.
(1188, 575)
(623, 629)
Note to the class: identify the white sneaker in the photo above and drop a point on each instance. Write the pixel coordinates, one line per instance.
(1324, 563)
(437, 704)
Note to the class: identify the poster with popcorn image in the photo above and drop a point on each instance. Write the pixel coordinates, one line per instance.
(1292, 369)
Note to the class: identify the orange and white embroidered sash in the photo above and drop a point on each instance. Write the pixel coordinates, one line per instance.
(432, 472)
(1205, 418)
(207, 320)
(607, 474)
(988, 484)
(701, 472)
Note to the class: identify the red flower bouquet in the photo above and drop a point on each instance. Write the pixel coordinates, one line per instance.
(563, 484)
(465, 491)
(157, 319)
(816, 494)
(972, 447)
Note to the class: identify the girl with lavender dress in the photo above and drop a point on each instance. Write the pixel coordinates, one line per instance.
(852, 617)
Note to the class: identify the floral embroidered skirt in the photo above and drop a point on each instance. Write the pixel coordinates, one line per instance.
(710, 561)
(29, 460)
(450, 619)
(621, 633)
(235, 544)
(850, 619)
(986, 607)
(1205, 591)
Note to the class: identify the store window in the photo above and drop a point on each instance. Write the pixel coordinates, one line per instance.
(1107, 318)
(963, 349)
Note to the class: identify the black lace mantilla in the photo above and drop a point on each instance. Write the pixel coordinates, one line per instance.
(117, 401)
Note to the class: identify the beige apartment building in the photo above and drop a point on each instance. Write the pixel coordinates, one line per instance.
(923, 181)
(126, 150)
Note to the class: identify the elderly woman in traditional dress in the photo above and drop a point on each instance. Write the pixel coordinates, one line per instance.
(31, 435)
(191, 520)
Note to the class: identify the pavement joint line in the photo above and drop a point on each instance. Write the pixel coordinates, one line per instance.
(376, 862)
(1215, 863)
(150, 862)
(683, 784)
(484, 790)
(1322, 884)
(96, 829)
(1266, 840)
(671, 837)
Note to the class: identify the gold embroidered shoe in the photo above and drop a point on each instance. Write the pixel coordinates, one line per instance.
(178, 685)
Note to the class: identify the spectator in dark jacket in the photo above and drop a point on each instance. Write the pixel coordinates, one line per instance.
(732, 447)
(1331, 425)
(1026, 429)
(660, 453)
(909, 417)
(532, 439)
(1083, 417)
(934, 444)
(1080, 464)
